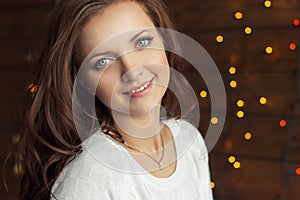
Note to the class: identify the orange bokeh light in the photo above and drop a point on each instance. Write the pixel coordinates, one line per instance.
(282, 123)
(296, 22)
(298, 171)
(293, 46)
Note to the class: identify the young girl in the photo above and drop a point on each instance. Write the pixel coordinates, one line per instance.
(110, 50)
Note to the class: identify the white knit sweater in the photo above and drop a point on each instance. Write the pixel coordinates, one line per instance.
(104, 170)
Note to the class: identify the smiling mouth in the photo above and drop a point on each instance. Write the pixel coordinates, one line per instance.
(140, 90)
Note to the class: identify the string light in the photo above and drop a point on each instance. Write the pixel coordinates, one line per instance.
(233, 84)
(237, 165)
(248, 30)
(231, 159)
(220, 38)
(269, 50)
(282, 123)
(232, 70)
(240, 114)
(248, 136)
(296, 22)
(238, 15)
(203, 94)
(240, 103)
(214, 120)
(268, 4)
(263, 100)
(292, 46)
(212, 185)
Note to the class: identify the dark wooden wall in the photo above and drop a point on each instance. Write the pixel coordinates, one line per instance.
(269, 160)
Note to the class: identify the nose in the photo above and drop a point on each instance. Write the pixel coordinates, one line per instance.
(131, 67)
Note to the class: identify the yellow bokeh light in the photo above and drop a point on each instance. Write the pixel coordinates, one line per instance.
(212, 185)
(248, 30)
(238, 15)
(268, 4)
(263, 100)
(233, 84)
(220, 38)
(240, 114)
(203, 94)
(240, 103)
(248, 136)
(214, 120)
(232, 70)
(231, 159)
(269, 50)
(237, 165)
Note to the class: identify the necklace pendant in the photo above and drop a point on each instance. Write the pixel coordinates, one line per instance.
(159, 166)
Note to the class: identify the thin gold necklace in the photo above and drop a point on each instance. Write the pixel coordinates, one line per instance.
(162, 156)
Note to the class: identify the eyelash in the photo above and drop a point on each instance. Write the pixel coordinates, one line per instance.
(99, 66)
(147, 39)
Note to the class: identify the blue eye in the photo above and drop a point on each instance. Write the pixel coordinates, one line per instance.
(143, 42)
(103, 62)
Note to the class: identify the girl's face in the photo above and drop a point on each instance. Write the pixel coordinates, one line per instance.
(132, 67)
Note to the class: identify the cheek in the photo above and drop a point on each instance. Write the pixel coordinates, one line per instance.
(163, 68)
(106, 87)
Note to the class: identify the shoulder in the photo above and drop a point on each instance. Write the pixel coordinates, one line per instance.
(84, 177)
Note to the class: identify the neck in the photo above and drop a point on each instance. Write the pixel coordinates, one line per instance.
(140, 131)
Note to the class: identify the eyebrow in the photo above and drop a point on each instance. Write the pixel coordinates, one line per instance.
(137, 35)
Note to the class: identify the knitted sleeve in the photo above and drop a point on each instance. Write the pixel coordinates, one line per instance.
(82, 179)
(76, 188)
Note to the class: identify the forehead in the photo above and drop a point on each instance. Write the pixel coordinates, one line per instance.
(115, 19)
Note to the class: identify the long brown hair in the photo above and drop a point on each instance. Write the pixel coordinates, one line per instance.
(49, 136)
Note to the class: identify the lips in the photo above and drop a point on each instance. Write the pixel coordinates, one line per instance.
(140, 90)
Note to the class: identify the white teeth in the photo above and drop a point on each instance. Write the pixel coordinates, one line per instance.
(141, 88)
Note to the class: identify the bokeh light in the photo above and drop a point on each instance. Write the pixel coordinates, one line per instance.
(238, 15)
(263, 100)
(269, 50)
(282, 123)
(248, 136)
(203, 94)
(232, 70)
(298, 171)
(212, 185)
(214, 120)
(237, 165)
(268, 4)
(32, 88)
(233, 84)
(231, 159)
(240, 103)
(240, 114)
(220, 38)
(296, 22)
(248, 30)
(292, 46)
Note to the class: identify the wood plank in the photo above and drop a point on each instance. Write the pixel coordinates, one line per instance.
(25, 3)
(15, 23)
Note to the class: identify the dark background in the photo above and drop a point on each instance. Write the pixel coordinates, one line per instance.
(269, 160)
